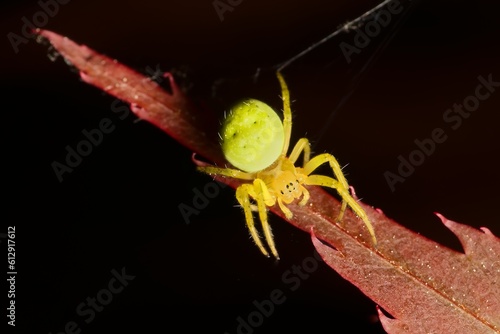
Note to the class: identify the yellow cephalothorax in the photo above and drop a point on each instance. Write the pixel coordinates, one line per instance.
(255, 141)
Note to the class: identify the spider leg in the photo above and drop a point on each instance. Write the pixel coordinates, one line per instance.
(320, 159)
(326, 181)
(264, 199)
(287, 113)
(286, 211)
(301, 146)
(234, 173)
(243, 197)
(305, 196)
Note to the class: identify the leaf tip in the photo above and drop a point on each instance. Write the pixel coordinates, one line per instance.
(446, 222)
(486, 231)
(49, 35)
(443, 218)
(383, 318)
(390, 325)
(326, 252)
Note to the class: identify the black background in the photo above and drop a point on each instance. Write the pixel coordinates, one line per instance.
(119, 207)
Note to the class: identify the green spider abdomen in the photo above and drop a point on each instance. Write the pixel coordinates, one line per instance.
(252, 136)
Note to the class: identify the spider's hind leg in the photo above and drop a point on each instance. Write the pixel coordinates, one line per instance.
(320, 159)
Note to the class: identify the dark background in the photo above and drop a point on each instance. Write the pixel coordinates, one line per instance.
(119, 207)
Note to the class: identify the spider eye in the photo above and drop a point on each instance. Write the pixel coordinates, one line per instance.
(252, 136)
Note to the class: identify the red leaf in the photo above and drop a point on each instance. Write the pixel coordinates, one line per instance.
(173, 113)
(425, 286)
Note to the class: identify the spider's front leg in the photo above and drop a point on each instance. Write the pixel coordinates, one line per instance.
(340, 184)
(326, 181)
(308, 166)
(259, 192)
(317, 161)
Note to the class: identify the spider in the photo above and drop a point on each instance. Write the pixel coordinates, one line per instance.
(255, 141)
